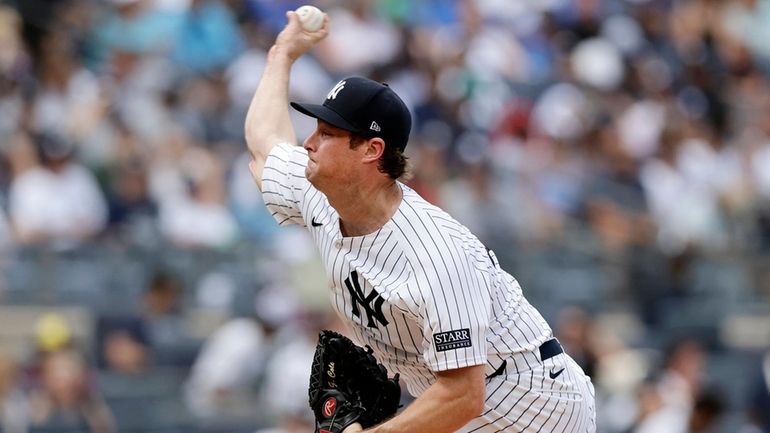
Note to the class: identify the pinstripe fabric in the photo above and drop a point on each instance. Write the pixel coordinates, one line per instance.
(427, 296)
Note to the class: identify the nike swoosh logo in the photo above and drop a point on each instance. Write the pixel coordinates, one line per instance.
(315, 223)
(500, 370)
(555, 375)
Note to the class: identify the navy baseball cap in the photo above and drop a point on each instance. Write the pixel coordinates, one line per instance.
(364, 107)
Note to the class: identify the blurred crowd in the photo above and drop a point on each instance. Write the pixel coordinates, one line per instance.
(615, 154)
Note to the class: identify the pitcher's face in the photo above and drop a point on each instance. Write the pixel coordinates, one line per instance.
(331, 161)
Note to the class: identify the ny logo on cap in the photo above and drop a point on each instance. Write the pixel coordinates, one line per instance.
(334, 91)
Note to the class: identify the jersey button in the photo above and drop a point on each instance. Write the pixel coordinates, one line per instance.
(337, 244)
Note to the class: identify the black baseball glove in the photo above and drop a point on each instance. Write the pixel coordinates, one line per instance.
(348, 385)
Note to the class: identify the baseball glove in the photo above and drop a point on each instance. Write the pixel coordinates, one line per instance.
(348, 385)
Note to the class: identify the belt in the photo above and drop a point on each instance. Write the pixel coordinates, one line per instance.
(547, 350)
(550, 348)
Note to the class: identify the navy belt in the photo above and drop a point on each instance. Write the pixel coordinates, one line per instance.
(550, 348)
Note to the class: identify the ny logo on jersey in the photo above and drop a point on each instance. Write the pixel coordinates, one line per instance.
(372, 302)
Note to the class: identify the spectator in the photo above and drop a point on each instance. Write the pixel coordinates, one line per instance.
(58, 202)
(620, 371)
(123, 346)
(221, 383)
(134, 26)
(68, 96)
(676, 390)
(208, 38)
(286, 374)
(685, 213)
(357, 22)
(162, 315)
(195, 215)
(132, 212)
(65, 400)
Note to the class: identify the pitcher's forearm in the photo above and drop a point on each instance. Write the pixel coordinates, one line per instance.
(268, 121)
(455, 399)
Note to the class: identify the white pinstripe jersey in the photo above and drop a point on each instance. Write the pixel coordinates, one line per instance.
(422, 291)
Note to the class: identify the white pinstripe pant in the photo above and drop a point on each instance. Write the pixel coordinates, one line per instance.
(527, 400)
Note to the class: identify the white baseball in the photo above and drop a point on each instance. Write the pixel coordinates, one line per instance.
(311, 17)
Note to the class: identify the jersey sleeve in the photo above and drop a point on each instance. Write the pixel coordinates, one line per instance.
(284, 183)
(456, 319)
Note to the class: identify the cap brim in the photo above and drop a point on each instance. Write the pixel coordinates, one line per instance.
(324, 113)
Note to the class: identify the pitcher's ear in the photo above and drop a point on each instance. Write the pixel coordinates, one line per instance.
(375, 147)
